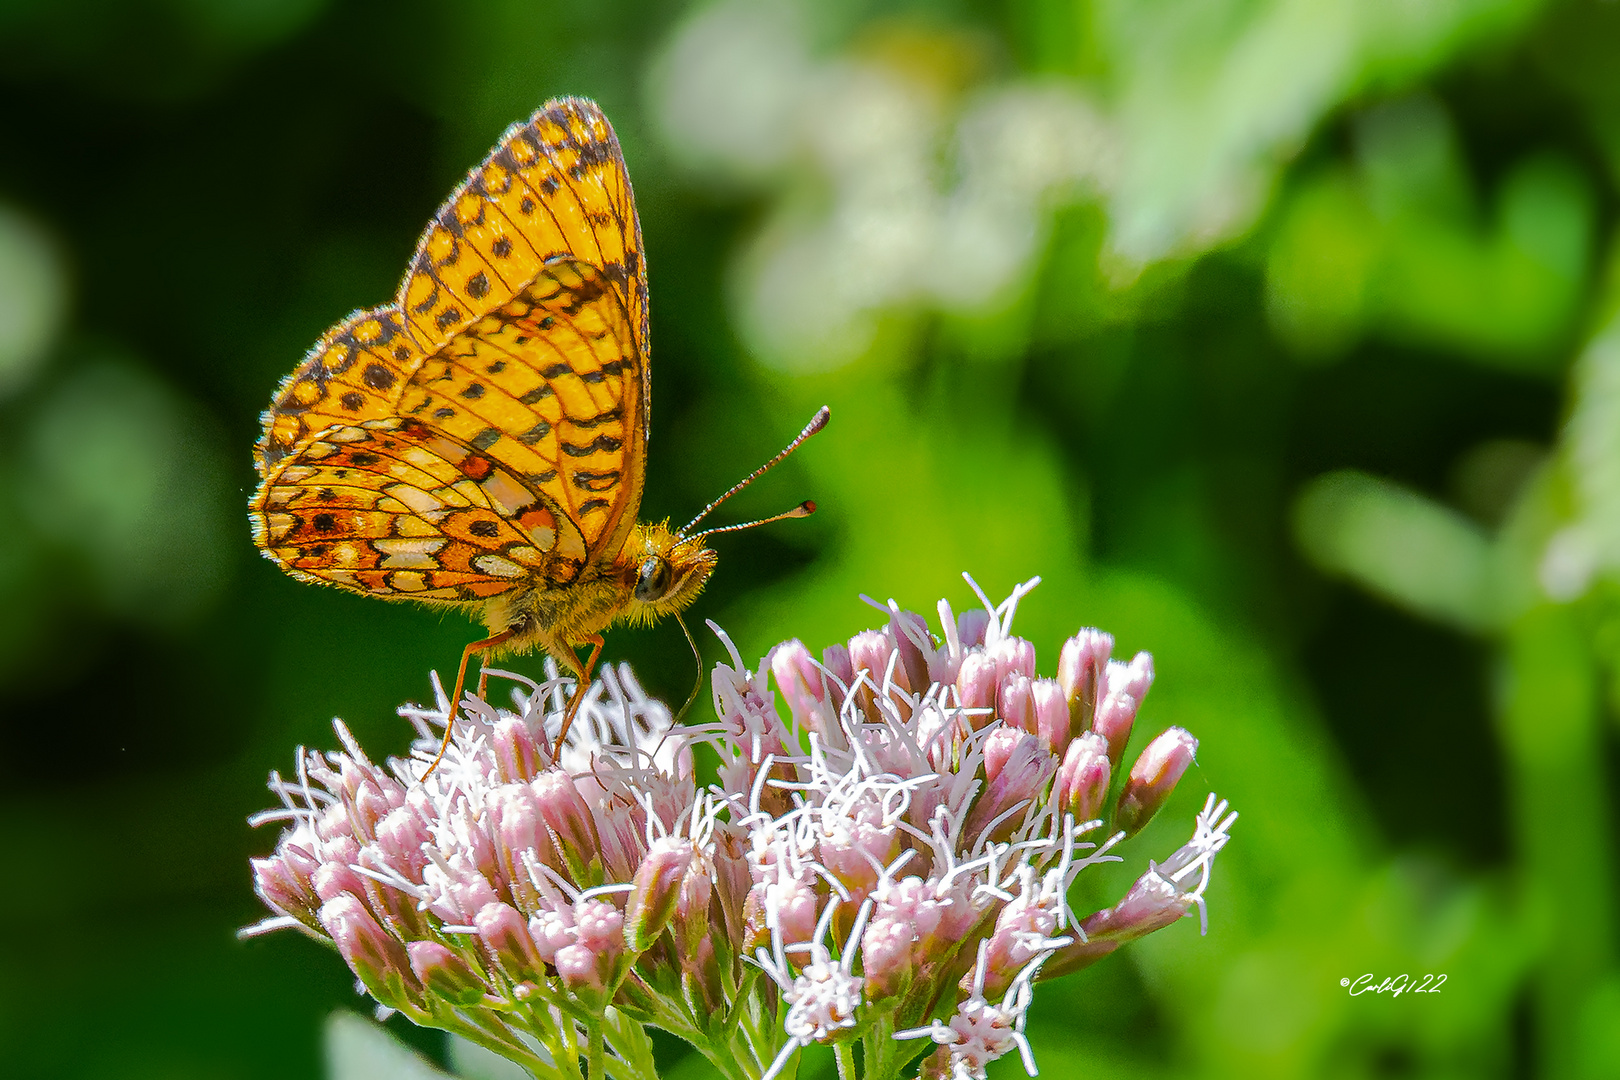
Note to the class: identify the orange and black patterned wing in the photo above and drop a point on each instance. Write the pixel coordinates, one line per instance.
(551, 387)
(531, 416)
(554, 187)
(395, 508)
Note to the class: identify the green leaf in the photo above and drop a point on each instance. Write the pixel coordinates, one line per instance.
(358, 1049)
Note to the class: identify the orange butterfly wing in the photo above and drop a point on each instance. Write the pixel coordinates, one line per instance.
(489, 426)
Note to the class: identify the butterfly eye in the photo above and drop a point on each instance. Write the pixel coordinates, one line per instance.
(654, 581)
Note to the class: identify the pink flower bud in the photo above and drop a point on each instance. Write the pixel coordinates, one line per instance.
(1022, 928)
(869, 651)
(1083, 778)
(401, 837)
(976, 687)
(909, 632)
(857, 847)
(1134, 678)
(1013, 656)
(1152, 903)
(802, 684)
(517, 756)
(1080, 672)
(394, 909)
(445, 974)
(278, 886)
(506, 934)
(1154, 777)
(796, 907)
(569, 821)
(1006, 798)
(332, 880)
(599, 926)
(732, 879)
(657, 886)
(514, 817)
(1051, 714)
(998, 747)
(911, 901)
(469, 893)
(1123, 688)
(970, 627)
(376, 959)
(959, 911)
(590, 965)
(886, 958)
(835, 658)
(551, 930)
(692, 904)
(582, 973)
(1015, 704)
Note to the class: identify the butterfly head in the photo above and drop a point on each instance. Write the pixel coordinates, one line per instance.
(665, 569)
(666, 574)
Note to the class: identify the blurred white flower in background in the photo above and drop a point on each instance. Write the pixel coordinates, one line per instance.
(913, 192)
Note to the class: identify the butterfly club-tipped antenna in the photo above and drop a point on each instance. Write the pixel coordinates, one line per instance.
(804, 509)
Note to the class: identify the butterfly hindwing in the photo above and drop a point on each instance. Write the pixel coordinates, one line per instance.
(354, 373)
(394, 508)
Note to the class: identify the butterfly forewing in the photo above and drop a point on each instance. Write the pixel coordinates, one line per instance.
(551, 387)
(555, 186)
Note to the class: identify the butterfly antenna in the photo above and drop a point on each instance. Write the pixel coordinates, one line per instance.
(698, 659)
(816, 423)
(804, 509)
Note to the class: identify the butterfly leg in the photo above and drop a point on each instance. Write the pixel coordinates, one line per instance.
(455, 698)
(580, 687)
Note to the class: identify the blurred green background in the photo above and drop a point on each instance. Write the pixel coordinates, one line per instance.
(1281, 337)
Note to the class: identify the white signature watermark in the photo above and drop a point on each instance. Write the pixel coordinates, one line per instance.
(1394, 986)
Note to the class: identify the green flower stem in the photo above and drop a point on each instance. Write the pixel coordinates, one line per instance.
(844, 1054)
(496, 1037)
(1550, 728)
(594, 1056)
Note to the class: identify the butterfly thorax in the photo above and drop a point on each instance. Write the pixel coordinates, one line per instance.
(655, 574)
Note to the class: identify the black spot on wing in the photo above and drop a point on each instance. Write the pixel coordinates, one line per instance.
(594, 482)
(599, 419)
(602, 444)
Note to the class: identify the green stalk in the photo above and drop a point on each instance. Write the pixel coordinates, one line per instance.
(844, 1054)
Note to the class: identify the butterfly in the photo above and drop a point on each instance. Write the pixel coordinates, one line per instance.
(481, 441)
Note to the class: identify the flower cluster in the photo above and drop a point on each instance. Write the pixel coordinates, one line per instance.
(889, 865)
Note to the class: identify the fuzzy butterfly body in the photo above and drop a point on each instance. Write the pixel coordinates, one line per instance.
(481, 440)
